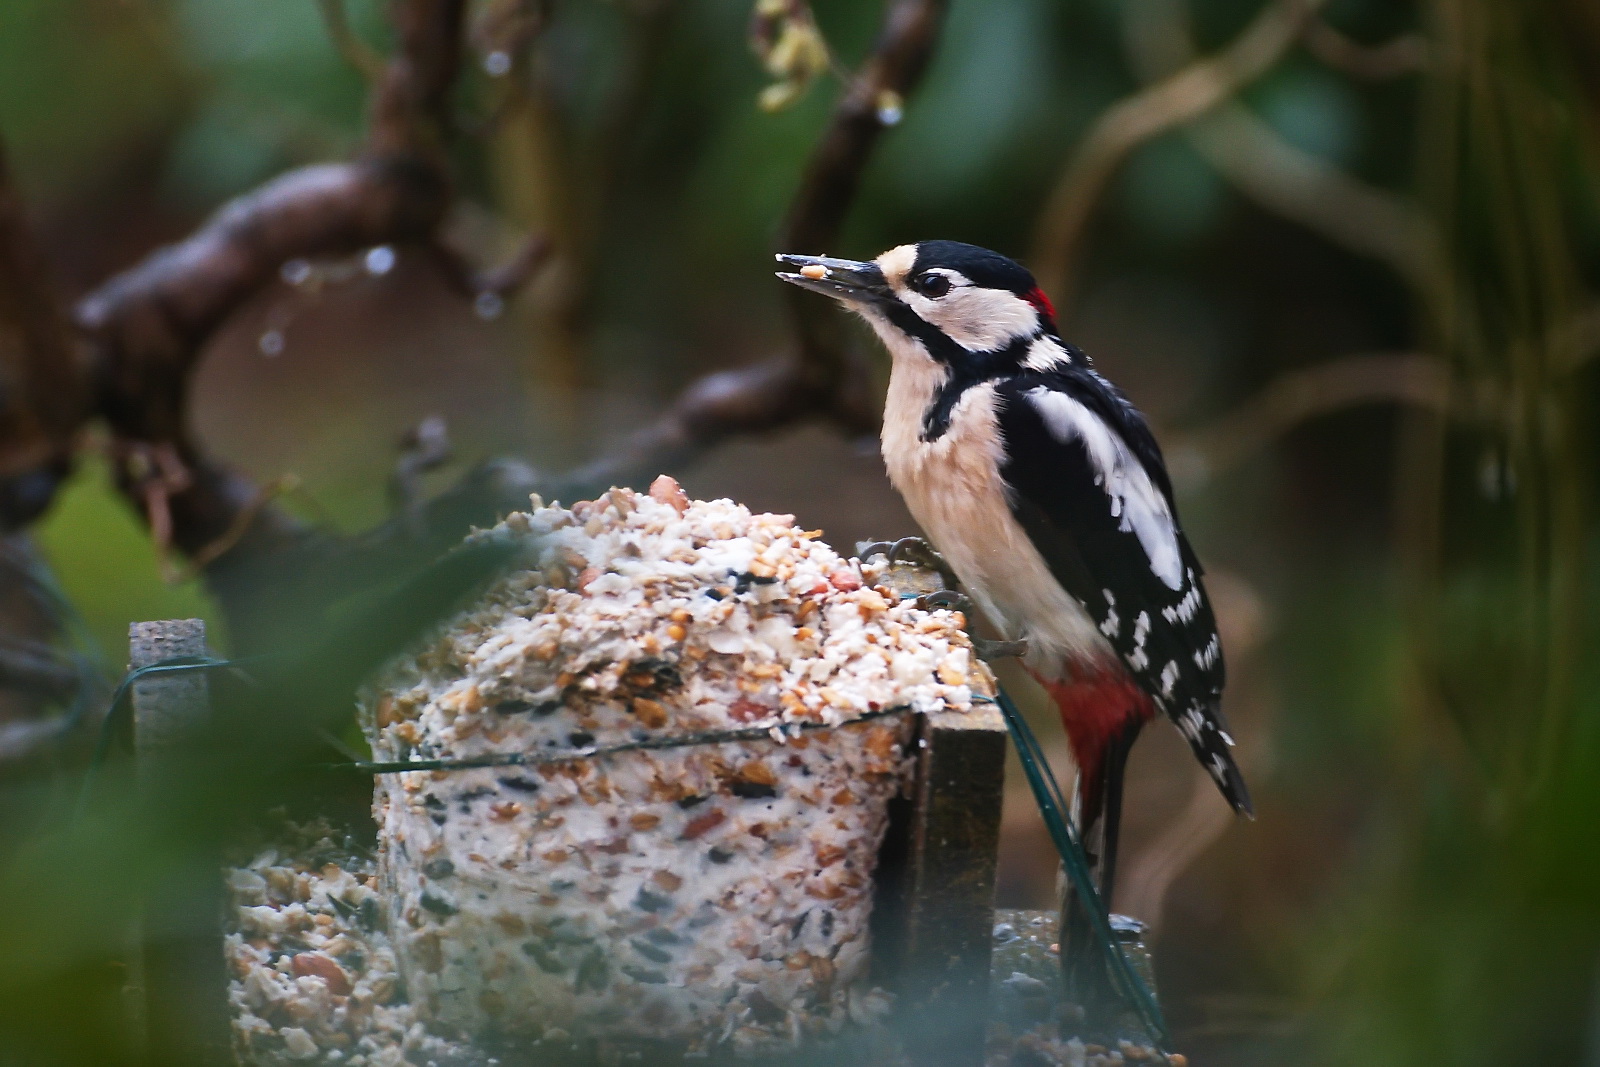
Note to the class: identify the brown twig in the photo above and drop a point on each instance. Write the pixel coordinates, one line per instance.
(1394, 58)
(45, 399)
(242, 523)
(497, 283)
(1297, 185)
(1291, 182)
(823, 381)
(1165, 105)
(761, 398)
(149, 324)
(828, 187)
(356, 52)
(1404, 378)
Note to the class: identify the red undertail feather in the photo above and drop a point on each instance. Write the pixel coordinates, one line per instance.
(1095, 709)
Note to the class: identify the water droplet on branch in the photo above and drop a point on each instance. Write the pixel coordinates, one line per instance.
(380, 260)
(488, 306)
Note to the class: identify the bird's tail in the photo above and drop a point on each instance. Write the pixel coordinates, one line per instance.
(1100, 815)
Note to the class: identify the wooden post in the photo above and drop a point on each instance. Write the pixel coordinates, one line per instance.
(185, 977)
(934, 921)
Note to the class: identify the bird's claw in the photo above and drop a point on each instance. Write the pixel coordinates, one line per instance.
(989, 651)
(909, 550)
(949, 599)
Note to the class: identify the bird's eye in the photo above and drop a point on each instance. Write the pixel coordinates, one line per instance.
(932, 285)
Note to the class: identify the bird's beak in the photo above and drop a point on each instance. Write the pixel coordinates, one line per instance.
(848, 280)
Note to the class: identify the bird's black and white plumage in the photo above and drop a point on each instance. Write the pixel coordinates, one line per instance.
(1043, 488)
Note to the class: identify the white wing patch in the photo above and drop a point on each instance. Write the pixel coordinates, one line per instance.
(1046, 354)
(1133, 497)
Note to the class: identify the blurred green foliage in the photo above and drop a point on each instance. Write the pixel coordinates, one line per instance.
(106, 565)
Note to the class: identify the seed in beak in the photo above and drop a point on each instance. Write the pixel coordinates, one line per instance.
(815, 271)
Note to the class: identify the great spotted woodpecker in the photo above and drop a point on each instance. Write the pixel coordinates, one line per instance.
(1044, 490)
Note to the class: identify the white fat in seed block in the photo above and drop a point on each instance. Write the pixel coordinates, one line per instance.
(711, 895)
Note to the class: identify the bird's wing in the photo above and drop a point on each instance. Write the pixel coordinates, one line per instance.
(1087, 483)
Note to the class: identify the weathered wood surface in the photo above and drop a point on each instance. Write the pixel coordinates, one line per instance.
(185, 978)
(936, 887)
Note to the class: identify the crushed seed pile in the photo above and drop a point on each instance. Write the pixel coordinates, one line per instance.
(716, 895)
(313, 973)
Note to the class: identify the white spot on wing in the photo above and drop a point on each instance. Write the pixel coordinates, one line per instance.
(1112, 623)
(1139, 659)
(1185, 609)
(1133, 497)
(1169, 675)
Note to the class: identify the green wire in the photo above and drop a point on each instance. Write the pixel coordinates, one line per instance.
(648, 744)
(1046, 792)
(1052, 805)
(121, 708)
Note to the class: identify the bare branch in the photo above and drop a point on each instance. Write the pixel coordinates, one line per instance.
(1290, 181)
(497, 283)
(356, 52)
(1394, 58)
(151, 321)
(760, 398)
(1298, 396)
(46, 394)
(1297, 185)
(870, 104)
(1175, 100)
(1413, 379)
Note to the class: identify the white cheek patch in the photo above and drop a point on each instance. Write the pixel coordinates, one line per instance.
(979, 320)
(1132, 496)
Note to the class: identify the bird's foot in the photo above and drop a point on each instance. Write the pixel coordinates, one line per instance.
(989, 651)
(914, 550)
(946, 599)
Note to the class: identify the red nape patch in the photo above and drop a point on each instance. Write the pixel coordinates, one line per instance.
(1094, 709)
(1041, 303)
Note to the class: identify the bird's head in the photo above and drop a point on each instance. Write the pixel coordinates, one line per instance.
(954, 303)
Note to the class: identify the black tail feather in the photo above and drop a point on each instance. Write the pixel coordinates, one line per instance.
(1207, 733)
